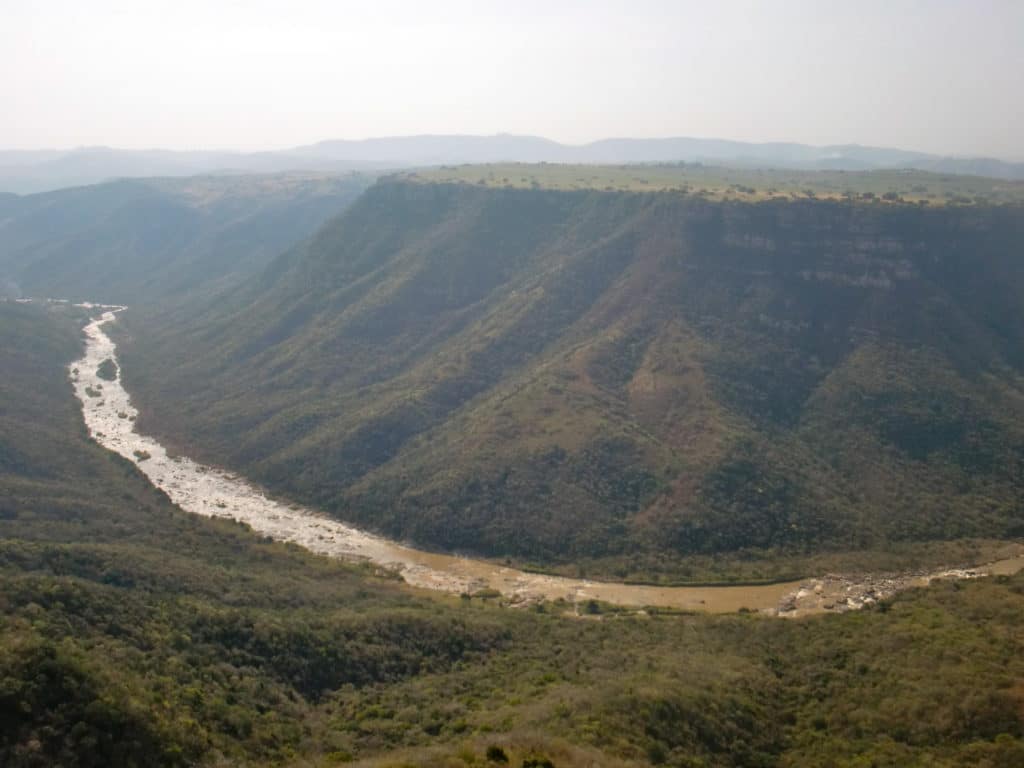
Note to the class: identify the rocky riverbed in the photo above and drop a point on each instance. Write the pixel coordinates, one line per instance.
(845, 592)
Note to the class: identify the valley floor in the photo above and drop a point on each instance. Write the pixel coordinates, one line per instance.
(110, 417)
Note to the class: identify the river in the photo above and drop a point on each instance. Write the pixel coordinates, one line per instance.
(213, 492)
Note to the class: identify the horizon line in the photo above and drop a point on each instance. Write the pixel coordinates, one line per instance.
(501, 134)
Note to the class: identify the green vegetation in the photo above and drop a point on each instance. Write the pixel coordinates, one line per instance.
(144, 240)
(643, 386)
(134, 634)
(107, 370)
(747, 184)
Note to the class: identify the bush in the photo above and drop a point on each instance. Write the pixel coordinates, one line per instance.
(496, 754)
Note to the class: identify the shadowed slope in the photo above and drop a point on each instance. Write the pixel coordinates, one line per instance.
(153, 239)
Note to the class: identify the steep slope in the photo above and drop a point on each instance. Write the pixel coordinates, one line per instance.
(569, 375)
(131, 241)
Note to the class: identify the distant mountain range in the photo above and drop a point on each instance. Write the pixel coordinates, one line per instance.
(41, 170)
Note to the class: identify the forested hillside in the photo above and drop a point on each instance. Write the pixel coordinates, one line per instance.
(132, 634)
(618, 377)
(152, 239)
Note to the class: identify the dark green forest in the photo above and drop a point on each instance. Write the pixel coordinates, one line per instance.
(645, 382)
(133, 634)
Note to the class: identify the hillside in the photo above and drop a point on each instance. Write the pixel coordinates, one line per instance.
(132, 634)
(615, 378)
(151, 239)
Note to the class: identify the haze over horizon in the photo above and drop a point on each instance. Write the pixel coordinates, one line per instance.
(932, 77)
(497, 134)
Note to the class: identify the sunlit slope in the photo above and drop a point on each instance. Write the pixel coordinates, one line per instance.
(560, 375)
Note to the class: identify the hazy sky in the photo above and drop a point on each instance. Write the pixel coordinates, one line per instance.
(938, 75)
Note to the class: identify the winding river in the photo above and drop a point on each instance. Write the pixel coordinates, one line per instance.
(205, 490)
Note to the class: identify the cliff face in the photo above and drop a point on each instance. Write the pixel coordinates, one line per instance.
(566, 374)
